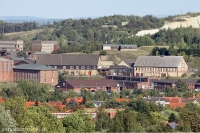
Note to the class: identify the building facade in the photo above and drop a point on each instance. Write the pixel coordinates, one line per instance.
(11, 44)
(6, 70)
(37, 73)
(73, 64)
(44, 46)
(160, 66)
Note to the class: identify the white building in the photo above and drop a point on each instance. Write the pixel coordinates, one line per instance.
(11, 44)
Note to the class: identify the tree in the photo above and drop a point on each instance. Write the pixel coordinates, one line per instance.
(103, 52)
(181, 86)
(78, 122)
(172, 118)
(89, 104)
(62, 41)
(40, 118)
(72, 103)
(6, 120)
(22, 54)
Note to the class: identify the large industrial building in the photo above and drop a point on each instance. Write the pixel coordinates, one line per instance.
(11, 44)
(44, 46)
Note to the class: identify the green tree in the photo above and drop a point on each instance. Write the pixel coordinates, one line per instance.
(41, 118)
(6, 120)
(22, 54)
(181, 86)
(172, 118)
(78, 122)
(62, 41)
(89, 104)
(103, 52)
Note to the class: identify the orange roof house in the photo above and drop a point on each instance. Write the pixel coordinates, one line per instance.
(173, 99)
(78, 100)
(176, 105)
(28, 104)
(122, 99)
(1, 100)
(57, 105)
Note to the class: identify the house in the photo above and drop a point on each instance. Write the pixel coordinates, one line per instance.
(61, 115)
(122, 99)
(91, 85)
(73, 64)
(20, 62)
(58, 105)
(127, 63)
(122, 47)
(31, 103)
(78, 100)
(11, 44)
(162, 84)
(44, 46)
(160, 66)
(192, 100)
(37, 73)
(6, 70)
(157, 100)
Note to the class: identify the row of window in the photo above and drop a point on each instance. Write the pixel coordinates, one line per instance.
(78, 67)
(6, 66)
(156, 69)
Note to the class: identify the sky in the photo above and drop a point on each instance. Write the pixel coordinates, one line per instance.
(63, 9)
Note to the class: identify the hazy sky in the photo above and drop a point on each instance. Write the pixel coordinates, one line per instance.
(95, 8)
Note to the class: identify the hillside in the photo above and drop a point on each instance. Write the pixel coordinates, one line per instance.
(186, 22)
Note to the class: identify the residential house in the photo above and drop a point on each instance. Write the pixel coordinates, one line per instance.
(44, 46)
(78, 100)
(91, 85)
(31, 103)
(120, 71)
(57, 105)
(37, 73)
(192, 100)
(6, 70)
(162, 84)
(122, 99)
(157, 100)
(160, 66)
(61, 115)
(11, 44)
(73, 64)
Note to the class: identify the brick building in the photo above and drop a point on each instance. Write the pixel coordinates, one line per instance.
(160, 66)
(37, 73)
(6, 70)
(91, 85)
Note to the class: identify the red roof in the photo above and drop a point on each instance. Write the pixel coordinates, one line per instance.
(77, 99)
(173, 99)
(1, 100)
(57, 105)
(28, 104)
(122, 99)
(176, 105)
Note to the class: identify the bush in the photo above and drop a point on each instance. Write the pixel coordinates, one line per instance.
(103, 52)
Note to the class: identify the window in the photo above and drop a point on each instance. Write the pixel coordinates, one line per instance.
(55, 67)
(11, 65)
(71, 67)
(82, 67)
(88, 67)
(6, 66)
(94, 67)
(2, 66)
(64, 67)
(45, 80)
(77, 67)
(63, 83)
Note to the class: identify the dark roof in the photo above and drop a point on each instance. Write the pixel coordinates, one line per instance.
(158, 61)
(34, 67)
(189, 100)
(154, 99)
(129, 62)
(68, 59)
(92, 83)
(173, 81)
(119, 67)
(197, 84)
(16, 62)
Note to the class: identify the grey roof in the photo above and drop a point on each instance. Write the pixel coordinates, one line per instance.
(158, 61)
(34, 67)
(68, 59)
(173, 81)
(197, 84)
(129, 62)
(3, 59)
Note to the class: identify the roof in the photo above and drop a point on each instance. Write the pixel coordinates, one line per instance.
(68, 59)
(34, 67)
(1, 100)
(173, 99)
(3, 59)
(154, 99)
(129, 62)
(122, 99)
(172, 125)
(28, 104)
(46, 42)
(176, 105)
(77, 99)
(173, 81)
(197, 84)
(189, 100)
(158, 61)
(92, 83)
(120, 45)
(16, 62)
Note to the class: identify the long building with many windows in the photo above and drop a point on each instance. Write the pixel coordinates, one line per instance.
(160, 66)
(11, 44)
(6, 70)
